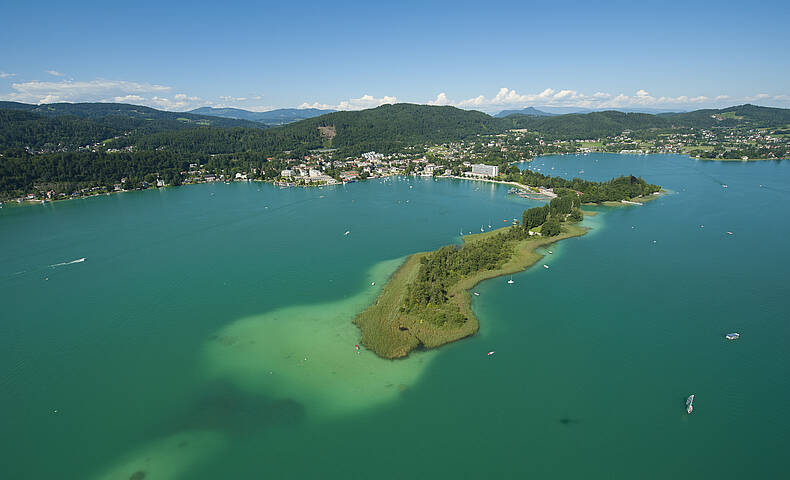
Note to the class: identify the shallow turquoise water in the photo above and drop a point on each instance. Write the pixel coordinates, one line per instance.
(207, 334)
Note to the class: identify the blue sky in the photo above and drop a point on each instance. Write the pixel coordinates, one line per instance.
(349, 55)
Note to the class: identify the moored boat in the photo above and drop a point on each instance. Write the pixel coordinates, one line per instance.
(732, 336)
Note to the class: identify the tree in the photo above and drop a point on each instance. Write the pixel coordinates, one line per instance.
(551, 228)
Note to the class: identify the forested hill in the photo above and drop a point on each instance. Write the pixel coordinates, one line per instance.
(63, 127)
(738, 116)
(587, 125)
(384, 129)
(530, 111)
(599, 124)
(67, 126)
(391, 126)
(101, 111)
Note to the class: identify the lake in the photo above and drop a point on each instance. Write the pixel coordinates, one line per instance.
(207, 333)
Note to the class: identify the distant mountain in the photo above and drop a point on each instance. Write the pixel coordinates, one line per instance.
(531, 111)
(272, 117)
(567, 110)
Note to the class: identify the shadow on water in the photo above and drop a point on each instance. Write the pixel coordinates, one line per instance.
(221, 406)
(569, 421)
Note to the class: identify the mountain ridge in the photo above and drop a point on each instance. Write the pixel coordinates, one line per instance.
(278, 116)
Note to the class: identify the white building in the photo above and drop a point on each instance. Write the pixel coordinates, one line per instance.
(286, 173)
(484, 170)
(315, 173)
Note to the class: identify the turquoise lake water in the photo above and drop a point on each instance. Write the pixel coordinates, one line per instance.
(207, 334)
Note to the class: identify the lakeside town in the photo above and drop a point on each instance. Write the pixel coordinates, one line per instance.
(482, 157)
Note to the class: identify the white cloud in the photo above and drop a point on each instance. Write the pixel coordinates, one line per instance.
(101, 90)
(361, 103)
(180, 101)
(441, 99)
(506, 97)
(128, 99)
(228, 98)
(55, 73)
(6, 75)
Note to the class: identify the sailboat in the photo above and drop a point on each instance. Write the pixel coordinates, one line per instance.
(481, 229)
(511, 280)
(690, 404)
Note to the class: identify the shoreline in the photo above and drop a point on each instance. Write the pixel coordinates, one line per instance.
(392, 334)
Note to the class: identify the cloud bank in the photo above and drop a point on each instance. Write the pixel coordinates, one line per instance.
(164, 97)
(549, 97)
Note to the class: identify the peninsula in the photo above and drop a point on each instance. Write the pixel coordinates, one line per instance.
(426, 303)
(412, 312)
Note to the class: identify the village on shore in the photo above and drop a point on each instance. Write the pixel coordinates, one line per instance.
(481, 157)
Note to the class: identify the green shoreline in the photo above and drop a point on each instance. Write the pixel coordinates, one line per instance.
(391, 333)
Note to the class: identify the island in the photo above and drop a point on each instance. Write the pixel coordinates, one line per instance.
(426, 302)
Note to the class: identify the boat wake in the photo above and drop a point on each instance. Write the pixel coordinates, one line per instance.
(79, 260)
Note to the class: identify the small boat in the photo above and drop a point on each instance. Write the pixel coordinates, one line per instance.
(490, 353)
(476, 294)
(732, 336)
(690, 403)
(372, 283)
(347, 232)
(723, 185)
(729, 233)
(481, 229)
(545, 266)
(550, 252)
(511, 280)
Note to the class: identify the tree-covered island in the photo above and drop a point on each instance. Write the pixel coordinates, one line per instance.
(426, 302)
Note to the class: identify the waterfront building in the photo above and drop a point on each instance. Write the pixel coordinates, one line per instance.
(483, 170)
